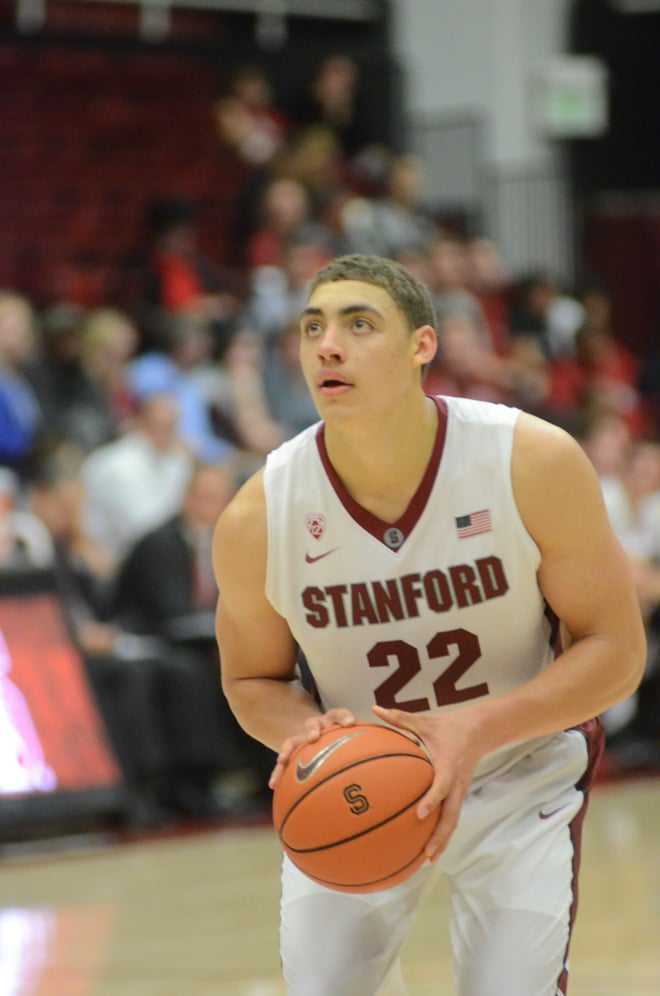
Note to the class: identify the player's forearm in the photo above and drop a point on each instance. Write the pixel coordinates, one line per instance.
(584, 681)
(268, 709)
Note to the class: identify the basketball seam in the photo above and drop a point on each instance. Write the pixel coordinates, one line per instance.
(330, 777)
(338, 771)
(360, 833)
(369, 882)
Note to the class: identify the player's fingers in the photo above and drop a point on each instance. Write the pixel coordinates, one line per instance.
(404, 722)
(282, 759)
(342, 717)
(276, 774)
(396, 717)
(450, 808)
(315, 725)
(435, 797)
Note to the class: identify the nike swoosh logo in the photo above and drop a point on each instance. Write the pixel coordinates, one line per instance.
(305, 771)
(546, 816)
(312, 560)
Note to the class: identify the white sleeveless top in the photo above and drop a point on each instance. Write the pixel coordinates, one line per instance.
(429, 613)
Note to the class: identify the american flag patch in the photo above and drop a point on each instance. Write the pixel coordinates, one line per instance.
(473, 524)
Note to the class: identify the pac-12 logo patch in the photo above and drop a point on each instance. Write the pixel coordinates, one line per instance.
(315, 523)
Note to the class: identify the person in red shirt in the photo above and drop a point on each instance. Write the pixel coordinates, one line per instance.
(601, 375)
(176, 277)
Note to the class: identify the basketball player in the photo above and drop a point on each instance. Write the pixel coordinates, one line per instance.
(447, 567)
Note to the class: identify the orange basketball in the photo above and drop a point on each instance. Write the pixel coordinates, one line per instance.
(345, 807)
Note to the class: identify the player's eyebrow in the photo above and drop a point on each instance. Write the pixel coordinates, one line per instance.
(348, 310)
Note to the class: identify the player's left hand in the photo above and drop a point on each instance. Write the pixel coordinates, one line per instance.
(451, 742)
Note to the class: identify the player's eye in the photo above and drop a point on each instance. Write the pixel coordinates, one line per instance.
(312, 328)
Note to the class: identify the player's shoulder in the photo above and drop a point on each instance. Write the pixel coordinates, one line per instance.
(551, 474)
(540, 443)
(479, 413)
(244, 519)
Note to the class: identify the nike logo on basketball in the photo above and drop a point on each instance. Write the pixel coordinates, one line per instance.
(312, 560)
(305, 771)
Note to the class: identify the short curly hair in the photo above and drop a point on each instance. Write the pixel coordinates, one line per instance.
(408, 293)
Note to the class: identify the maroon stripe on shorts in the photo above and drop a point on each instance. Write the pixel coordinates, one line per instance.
(594, 735)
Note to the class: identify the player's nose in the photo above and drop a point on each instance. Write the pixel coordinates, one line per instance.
(330, 345)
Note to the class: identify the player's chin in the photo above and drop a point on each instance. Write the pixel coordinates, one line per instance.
(332, 393)
(333, 408)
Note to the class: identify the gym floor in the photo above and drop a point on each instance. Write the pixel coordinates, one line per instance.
(195, 912)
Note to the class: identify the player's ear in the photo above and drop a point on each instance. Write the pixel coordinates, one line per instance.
(425, 343)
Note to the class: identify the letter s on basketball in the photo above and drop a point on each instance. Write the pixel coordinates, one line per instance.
(358, 803)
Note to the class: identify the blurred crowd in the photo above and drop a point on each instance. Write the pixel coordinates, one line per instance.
(125, 429)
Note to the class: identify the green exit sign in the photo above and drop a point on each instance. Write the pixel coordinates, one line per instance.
(570, 97)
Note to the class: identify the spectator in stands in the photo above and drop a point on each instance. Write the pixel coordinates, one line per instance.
(466, 366)
(610, 369)
(629, 472)
(417, 261)
(313, 157)
(156, 702)
(597, 376)
(165, 585)
(166, 588)
(640, 531)
(449, 276)
(186, 343)
(173, 275)
(247, 120)
(73, 405)
(607, 442)
(277, 294)
(486, 278)
(23, 539)
(545, 314)
(331, 98)
(110, 339)
(21, 417)
(137, 481)
(395, 221)
(233, 388)
(286, 388)
(468, 362)
(55, 496)
(283, 210)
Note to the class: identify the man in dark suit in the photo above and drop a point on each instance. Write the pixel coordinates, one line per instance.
(158, 705)
(166, 588)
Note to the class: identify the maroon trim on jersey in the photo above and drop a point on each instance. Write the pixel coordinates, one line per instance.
(594, 735)
(372, 523)
(554, 636)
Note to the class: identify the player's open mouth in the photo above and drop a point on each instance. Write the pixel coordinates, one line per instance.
(333, 386)
(332, 381)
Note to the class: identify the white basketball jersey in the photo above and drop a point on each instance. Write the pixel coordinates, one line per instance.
(432, 612)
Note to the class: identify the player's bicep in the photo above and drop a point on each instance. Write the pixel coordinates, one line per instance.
(254, 640)
(584, 574)
(588, 586)
(257, 644)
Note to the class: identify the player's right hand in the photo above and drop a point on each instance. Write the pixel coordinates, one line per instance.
(313, 727)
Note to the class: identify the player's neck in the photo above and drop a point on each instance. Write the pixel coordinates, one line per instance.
(382, 467)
